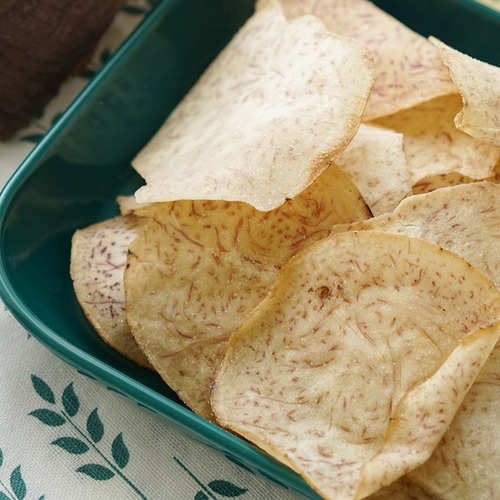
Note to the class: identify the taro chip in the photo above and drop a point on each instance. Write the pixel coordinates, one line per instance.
(271, 113)
(433, 182)
(128, 205)
(479, 86)
(464, 219)
(464, 464)
(199, 267)
(408, 69)
(376, 163)
(352, 368)
(434, 146)
(402, 489)
(98, 258)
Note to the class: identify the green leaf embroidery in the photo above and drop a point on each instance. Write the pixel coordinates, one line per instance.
(95, 427)
(48, 417)
(200, 496)
(1, 458)
(96, 471)
(43, 389)
(135, 11)
(32, 137)
(105, 55)
(225, 488)
(17, 483)
(70, 401)
(3, 496)
(120, 451)
(88, 73)
(71, 445)
(56, 117)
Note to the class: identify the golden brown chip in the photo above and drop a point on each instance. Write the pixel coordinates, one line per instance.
(271, 113)
(434, 146)
(479, 85)
(352, 368)
(199, 267)
(408, 69)
(98, 258)
(376, 163)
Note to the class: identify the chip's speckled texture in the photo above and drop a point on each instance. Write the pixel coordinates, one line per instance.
(199, 267)
(479, 86)
(376, 163)
(408, 69)
(273, 110)
(98, 257)
(433, 145)
(353, 367)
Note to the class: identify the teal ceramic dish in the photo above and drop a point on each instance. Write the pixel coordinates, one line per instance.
(73, 176)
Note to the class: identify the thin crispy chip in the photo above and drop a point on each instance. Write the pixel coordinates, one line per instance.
(428, 184)
(271, 113)
(479, 86)
(98, 258)
(402, 489)
(433, 145)
(351, 370)
(408, 69)
(376, 163)
(199, 267)
(465, 463)
(464, 219)
(128, 205)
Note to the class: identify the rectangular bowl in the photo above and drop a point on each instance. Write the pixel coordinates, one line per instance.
(72, 178)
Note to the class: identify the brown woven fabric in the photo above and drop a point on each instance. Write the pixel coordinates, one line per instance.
(41, 42)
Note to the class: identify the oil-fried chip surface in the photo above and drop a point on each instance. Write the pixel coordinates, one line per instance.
(479, 85)
(199, 267)
(98, 258)
(402, 489)
(277, 105)
(408, 69)
(465, 463)
(376, 163)
(351, 370)
(464, 219)
(433, 145)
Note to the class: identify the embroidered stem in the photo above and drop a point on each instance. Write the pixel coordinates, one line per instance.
(104, 458)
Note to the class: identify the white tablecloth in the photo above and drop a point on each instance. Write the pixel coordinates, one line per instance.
(64, 436)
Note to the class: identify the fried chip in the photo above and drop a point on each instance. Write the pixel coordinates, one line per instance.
(128, 205)
(464, 219)
(479, 86)
(465, 463)
(402, 489)
(352, 368)
(376, 163)
(408, 69)
(428, 184)
(434, 146)
(199, 267)
(98, 258)
(271, 113)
